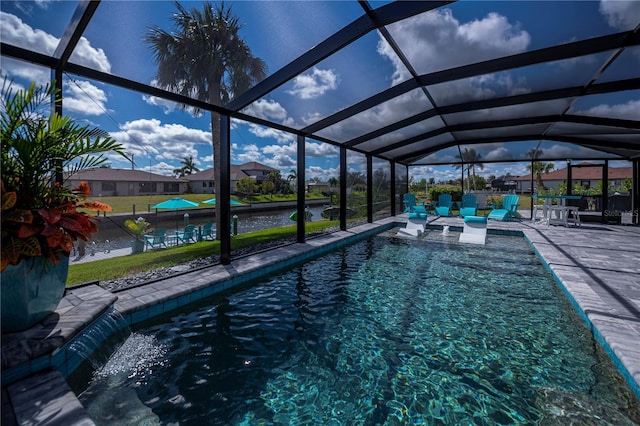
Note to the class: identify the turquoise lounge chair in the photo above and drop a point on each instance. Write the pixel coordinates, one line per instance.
(157, 239)
(443, 207)
(469, 205)
(187, 235)
(508, 211)
(409, 202)
(419, 212)
(208, 232)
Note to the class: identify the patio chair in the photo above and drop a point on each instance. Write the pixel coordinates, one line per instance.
(207, 232)
(508, 211)
(444, 204)
(158, 239)
(187, 235)
(409, 202)
(469, 205)
(419, 211)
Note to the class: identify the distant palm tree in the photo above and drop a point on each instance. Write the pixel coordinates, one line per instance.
(462, 165)
(469, 159)
(188, 167)
(538, 168)
(292, 177)
(275, 176)
(474, 158)
(205, 58)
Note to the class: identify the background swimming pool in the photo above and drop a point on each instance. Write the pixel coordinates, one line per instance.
(386, 331)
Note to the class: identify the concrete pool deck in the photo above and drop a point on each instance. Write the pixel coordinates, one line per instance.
(597, 265)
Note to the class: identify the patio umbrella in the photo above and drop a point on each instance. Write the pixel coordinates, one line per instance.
(213, 201)
(175, 203)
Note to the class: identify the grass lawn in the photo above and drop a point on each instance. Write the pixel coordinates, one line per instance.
(106, 269)
(143, 203)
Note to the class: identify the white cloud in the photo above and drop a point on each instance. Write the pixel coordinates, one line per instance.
(621, 14)
(18, 69)
(266, 132)
(321, 150)
(498, 153)
(289, 149)
(166, 105)
(629, 110)
(162, 142)
(160, 168)
(246, 153)
(322, 173)
(314, 84)
(433, 41)
(82, 96)
(267, 110)
(16, 32)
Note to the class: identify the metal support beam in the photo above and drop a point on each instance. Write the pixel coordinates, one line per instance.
(369, 188)
(635, 191)
(300, 190)
(605, 190)
(223, 199)
(73, 32)
(549, 54)
(384, 15)
(56, 108)
(343, 188)
(569, 177)
(392, 192)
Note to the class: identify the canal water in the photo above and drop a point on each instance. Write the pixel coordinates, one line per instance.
(113, 234)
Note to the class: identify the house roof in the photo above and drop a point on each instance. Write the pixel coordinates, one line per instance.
(238, 171)
(121, 175)
(583, 173)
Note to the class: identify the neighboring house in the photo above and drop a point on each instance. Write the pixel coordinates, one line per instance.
(583, 174)
(321, 187)
(505, 183)
(203, 182)
(107, 182)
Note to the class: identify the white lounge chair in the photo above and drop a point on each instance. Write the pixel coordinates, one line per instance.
(474, 231)
(416, 223)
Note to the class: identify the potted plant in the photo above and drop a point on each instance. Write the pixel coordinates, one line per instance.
(138, 228)
(41, 219)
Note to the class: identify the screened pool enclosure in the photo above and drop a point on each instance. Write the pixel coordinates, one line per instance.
(379, 88)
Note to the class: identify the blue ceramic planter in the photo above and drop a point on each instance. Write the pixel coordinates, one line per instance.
(137, 246)
(31, 291)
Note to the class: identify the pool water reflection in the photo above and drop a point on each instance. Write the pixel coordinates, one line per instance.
(386, 331)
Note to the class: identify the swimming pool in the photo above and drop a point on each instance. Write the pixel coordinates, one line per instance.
(385, 331)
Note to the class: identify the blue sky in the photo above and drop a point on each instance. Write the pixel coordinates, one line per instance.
(160, 135)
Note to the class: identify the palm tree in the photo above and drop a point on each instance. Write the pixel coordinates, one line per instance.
(188, 167)
(275, 176)
(206, 59)
(471, 158)
(463, 159)
(474, 158)
(538, 168)
(292, 177)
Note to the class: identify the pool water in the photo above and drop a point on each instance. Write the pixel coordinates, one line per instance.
(387, 331)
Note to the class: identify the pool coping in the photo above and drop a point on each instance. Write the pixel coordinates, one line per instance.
(36, 351)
